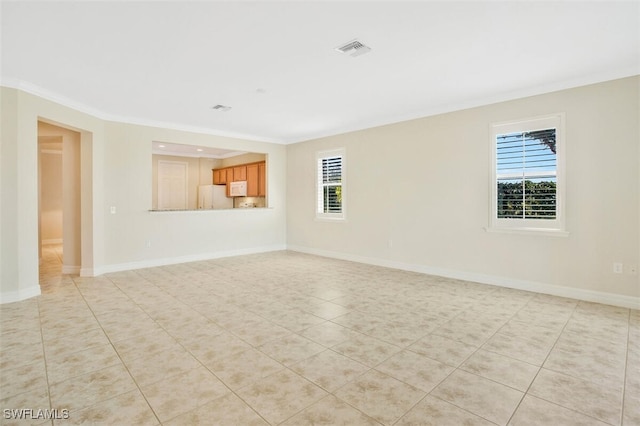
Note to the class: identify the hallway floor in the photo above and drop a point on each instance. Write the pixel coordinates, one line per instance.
(294, 339)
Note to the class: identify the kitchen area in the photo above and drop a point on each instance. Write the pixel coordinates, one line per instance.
(243, 186)
(200, 178)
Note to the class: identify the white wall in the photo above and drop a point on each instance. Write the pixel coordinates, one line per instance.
(116, 171)
(418, 197)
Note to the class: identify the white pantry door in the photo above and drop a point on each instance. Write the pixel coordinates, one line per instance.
(172, 185)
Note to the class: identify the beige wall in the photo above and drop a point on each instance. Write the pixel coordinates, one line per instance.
(116, 171)
(252, 157)
(418, 197)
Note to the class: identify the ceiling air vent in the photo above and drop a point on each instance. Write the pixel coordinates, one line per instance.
(222, 108)
(353, 48)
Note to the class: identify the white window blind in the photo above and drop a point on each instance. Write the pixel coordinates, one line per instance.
(330, 184)
(527, 177)
(526, 174)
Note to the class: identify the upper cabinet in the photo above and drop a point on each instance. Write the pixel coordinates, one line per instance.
(239, 173)
(252, 180)
(253, 173)
(217, 179)
(262, 179)
(223, 176)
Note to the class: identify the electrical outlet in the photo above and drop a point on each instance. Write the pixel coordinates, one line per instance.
(633, 270)
(148, 243)
(617, 268)
(112, 209)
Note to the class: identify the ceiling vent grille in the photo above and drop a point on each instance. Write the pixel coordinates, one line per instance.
(353, 48)
(222, 108)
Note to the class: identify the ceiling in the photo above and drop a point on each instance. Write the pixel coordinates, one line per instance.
(182, 150)
(168, 63)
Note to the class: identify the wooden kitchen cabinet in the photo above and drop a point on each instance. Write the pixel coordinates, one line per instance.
(223, 176)
(239, 173)
(254, 173)
(252, 180)
(216, 177)
(262, 179)
(256, 180)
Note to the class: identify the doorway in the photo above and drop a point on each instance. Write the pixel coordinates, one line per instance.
(172, 185)
(59, 183)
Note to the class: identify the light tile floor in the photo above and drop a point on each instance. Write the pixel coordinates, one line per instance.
(293, 339)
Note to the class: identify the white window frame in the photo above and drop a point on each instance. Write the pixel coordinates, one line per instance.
(320, 213)
(553, 227)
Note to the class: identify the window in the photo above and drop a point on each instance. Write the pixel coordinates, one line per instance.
(527, 180)
(331, 184)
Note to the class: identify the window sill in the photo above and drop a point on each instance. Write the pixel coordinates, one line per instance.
(206, 210)
(545, 232)
(330, 219)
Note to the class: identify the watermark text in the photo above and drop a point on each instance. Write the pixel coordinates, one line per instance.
(35, 414)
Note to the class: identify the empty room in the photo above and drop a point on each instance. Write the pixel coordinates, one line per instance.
(320, 212)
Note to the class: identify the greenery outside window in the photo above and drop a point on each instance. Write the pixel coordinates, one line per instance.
(331, 184)
(528, 175)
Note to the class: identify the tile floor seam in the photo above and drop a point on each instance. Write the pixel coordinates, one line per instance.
(626, 365)
(427, 394)
(118, 354)
(173, 376)
(526, 392)
(331, 394)
(97, 403)
(543, 367)
(363, 374)
(44, 358)
(462, 408)
(575, 376)
(571, 409)
(231, 391)
(273, 374)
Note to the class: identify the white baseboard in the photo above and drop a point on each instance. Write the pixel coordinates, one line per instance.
(151, 263)
(87, 272)
(555, 290)
(537, 287)
(17, 296)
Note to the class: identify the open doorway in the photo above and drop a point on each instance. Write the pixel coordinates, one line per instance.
(59, 179)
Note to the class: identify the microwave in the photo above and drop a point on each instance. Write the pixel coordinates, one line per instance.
(238, 188)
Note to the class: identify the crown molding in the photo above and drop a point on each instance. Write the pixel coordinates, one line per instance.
(49, 95)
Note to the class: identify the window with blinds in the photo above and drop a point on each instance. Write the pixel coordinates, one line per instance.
(330, 184)
(527, 179)
(526, 174)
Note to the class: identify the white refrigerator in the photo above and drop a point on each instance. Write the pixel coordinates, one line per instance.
(213, 197)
